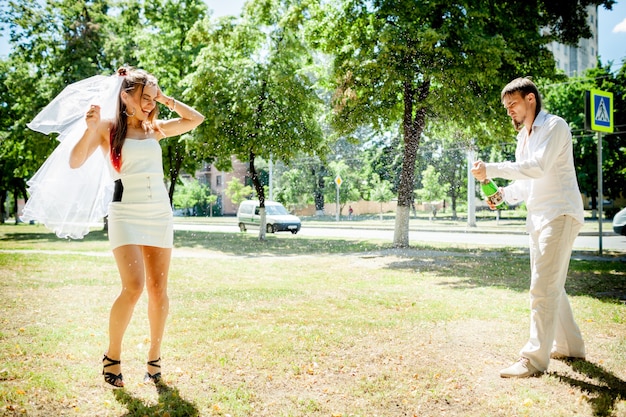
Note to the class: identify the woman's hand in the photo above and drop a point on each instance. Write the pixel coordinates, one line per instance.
(93, 117)
(91, 139)
(163, 99)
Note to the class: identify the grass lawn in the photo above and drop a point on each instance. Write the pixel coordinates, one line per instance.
(297, 326)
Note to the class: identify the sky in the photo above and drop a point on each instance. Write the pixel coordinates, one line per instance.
(612, 34)
(224, 8)
(611, 29)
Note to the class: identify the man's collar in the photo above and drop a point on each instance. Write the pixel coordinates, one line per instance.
(540, 119)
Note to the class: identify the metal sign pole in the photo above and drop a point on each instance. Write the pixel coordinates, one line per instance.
(338, 182)
(600, 196)
(337, 206)
(471, 191)
(599, 118)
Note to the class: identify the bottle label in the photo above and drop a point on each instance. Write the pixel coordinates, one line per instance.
(493, 194)
(496, 198)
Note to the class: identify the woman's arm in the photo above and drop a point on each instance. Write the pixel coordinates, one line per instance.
(189, 118)
(92, 138)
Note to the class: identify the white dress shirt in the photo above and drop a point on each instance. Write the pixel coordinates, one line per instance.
(543, 171)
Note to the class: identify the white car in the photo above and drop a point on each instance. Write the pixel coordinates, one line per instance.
(619, 222)
(277, 218)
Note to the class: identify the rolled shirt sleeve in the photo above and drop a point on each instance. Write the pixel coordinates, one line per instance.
(543, 171)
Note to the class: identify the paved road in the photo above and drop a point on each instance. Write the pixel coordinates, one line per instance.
(461, 238)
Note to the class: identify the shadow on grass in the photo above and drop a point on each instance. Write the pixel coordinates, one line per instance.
(248, 244)
(238, 244)
(602, 278)
(170, 402)
(29, 236)
(604, 393)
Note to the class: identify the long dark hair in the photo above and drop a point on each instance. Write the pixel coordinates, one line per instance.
(134, 79)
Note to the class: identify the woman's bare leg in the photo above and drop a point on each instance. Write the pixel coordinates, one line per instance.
(130, 265)
(157, 264)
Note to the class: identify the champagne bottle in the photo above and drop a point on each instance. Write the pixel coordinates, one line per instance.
(493, 194)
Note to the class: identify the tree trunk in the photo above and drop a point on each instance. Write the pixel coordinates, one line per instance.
(20, 189)
(454, 213)
(3, 199)
(594, 205)
(318, 192)
(260, 192)
(176, 156)
(15, 208)
(453, 198)
(413, 125)
(256, 180)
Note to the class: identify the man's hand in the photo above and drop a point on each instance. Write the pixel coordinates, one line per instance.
(479, 171)
(499, 197)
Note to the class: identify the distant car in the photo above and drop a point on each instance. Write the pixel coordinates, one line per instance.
(277, 218)
(619, 222)
(605, 204)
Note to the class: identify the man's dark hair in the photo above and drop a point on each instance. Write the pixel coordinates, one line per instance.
(523, 85)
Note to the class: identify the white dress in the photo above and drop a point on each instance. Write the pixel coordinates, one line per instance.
(143, 216)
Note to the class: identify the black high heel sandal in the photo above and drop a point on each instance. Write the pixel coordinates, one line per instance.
(116, 381)
(156, 377)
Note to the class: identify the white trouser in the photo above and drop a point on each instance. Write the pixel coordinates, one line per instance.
(552, 324)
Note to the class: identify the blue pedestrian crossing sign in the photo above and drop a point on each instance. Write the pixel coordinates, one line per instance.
(601, 106)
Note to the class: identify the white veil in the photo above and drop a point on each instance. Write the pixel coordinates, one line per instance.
(68, 201)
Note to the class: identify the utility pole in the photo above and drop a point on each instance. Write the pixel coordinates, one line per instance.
(471, 191)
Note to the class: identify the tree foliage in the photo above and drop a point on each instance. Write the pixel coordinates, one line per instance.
(349, 190)
(296, 188)
(194, 197)
(432, 190)
(380, 192)
(54, 44)
(163, 47)
(58, 42)
(567, 99)
(447, 144)
(390, 70)
(253, 85)
(237, 191)
(398, 63)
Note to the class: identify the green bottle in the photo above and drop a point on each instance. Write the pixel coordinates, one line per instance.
(493, 194)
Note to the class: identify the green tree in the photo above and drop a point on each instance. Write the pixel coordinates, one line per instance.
(252, 82)
(567, 100)
(350, 184)
(54, 43)
(380, 192)
(58, 42)
(237, 192)
(398, 63)
(381, 157)
(296, 188)
(163, 48)
(196, 196)
(433, 190)
(453, 142)
(122, 46)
